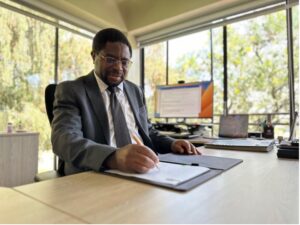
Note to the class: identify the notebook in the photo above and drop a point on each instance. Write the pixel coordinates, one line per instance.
(242, 144)
(233, 126)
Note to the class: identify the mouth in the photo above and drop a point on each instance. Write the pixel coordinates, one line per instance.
(115, 78)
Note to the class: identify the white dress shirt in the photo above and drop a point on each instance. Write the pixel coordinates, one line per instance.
(122, 98)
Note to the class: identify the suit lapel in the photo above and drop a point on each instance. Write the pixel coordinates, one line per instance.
(97, 103)
(132, 99)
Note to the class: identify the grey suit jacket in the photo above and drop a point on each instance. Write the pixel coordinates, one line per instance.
(80, 131)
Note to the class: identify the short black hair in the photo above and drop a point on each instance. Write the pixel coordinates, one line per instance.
(109, 35)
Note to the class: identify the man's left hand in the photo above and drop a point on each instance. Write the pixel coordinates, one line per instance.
(184, 147)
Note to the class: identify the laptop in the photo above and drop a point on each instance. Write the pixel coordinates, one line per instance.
(242, 144)
(235, 129)
(233, 126)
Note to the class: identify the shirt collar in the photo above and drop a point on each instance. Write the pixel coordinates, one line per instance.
(103, 86)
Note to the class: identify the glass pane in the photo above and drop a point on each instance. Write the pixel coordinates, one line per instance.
(28, 9)
(218, 70)
(257, 66)
(295, 21)
(189, 58)
(74, 56)
(155, 72)
(27, 66)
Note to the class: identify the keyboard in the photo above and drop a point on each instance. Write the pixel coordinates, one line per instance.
(183, 135)
(242, 144)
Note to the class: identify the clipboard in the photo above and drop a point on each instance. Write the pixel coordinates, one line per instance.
(216, 165)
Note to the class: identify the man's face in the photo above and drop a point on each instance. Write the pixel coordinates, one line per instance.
(112, 63)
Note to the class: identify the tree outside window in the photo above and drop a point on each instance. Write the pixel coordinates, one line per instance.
(257, 67)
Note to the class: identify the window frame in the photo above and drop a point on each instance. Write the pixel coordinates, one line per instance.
(291, 76)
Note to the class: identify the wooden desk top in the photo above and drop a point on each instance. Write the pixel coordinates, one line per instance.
(18, 208)
(262, 189)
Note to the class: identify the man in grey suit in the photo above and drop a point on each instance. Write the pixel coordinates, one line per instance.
(84, 133)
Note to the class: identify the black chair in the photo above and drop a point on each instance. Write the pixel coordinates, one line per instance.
(49, 99)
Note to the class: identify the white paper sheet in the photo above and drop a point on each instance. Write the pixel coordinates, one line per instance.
(167, 173)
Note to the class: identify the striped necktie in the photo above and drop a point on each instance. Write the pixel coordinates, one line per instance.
(120, 126)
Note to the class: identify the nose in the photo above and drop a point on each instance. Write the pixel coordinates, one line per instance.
(118, 64)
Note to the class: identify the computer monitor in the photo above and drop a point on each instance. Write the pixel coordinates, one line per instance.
(187, 100)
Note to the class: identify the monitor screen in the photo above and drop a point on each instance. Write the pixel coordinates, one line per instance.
(188, 100)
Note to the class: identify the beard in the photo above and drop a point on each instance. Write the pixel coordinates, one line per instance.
(112, 78)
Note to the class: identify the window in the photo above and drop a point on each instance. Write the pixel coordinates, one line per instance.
(155, 72)
(27, 66)
(295, 21)
(189, 58)
(256, 67)
(74, 56)
(218, 78)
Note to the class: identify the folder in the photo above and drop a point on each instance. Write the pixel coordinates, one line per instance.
(215, 166)
(166, 173)
(212, 162)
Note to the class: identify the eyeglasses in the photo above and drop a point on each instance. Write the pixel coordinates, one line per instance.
(111, 61)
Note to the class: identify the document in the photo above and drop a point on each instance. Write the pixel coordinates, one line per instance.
(167, 173)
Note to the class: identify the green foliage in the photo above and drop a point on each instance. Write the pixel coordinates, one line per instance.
(257, 66)
(155, 70)
(262, 86)
(27, 67)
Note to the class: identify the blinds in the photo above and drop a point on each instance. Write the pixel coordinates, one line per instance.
(243, 10)
(83, 29)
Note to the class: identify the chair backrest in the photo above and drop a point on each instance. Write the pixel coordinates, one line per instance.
(49, 99)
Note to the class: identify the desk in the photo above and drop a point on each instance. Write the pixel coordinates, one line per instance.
(18, 208)
(262, 189)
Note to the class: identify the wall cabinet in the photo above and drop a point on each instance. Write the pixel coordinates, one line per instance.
(18, 158)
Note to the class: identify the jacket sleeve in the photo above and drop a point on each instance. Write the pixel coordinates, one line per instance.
(161, 143)
(67, 138)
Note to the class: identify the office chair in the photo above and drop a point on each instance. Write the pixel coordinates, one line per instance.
(49, 99)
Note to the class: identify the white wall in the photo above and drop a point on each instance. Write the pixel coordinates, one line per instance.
(134, 72)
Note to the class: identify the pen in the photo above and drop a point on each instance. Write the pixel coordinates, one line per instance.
(139, 142)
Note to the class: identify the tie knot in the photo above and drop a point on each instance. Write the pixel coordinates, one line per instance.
(112, 89)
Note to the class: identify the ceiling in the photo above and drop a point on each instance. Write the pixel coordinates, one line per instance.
(134, 17)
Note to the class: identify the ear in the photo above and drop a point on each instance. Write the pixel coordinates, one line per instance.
(93, 54)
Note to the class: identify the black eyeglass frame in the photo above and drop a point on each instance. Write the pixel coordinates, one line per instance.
(111, 61)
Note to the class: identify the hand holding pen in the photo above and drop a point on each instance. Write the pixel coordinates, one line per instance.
(139, 142)
(136, 158)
